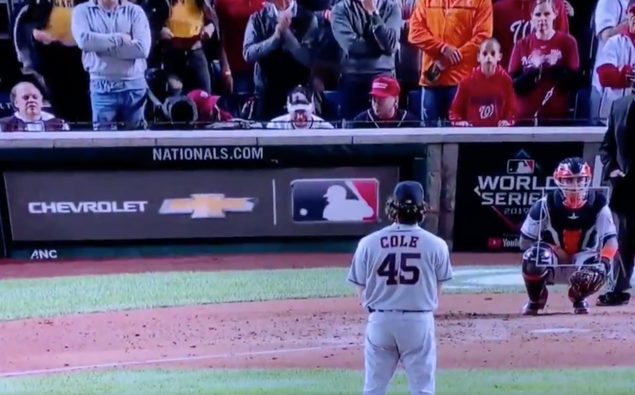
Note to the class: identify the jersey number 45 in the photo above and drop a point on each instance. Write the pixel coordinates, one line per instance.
(395, 267)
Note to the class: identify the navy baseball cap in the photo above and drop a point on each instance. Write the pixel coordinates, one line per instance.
(408, 192)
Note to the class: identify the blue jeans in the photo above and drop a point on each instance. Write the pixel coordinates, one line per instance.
(435, 104)
(120, 108)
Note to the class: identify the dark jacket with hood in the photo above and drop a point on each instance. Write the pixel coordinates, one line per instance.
(281, 64)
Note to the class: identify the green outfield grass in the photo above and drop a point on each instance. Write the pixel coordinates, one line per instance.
(320, 382)
(26, 298)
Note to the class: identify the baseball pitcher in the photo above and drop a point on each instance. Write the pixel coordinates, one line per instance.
(568, 237)
(398, 272)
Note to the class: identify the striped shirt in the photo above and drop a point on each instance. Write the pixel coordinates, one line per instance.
(100, 34)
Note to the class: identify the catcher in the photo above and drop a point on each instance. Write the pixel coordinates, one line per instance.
(568, 237)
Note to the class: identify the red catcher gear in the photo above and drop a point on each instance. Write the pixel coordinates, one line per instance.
(573, 178)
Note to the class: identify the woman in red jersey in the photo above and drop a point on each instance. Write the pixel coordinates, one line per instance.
(544, 66)
(486, 97)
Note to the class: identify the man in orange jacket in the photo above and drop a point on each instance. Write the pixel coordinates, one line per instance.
(449, 34)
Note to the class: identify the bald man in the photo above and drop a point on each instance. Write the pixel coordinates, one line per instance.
(28, 117)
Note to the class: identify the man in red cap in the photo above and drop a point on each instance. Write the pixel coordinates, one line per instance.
(384, 111)
(207, 107)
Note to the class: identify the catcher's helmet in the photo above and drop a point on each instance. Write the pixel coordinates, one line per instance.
(573, 178)
(407, 204)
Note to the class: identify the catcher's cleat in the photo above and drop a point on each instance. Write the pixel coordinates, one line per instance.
(532, 308)
(613, 299)
(581, 307)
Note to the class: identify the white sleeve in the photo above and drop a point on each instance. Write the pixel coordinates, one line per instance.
(604, 224)
(607, 15)
(443, 267)
(357, 271)
(608, 54)
(536, 222)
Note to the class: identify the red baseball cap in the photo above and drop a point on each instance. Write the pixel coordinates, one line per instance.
(205, 102)
(385, 87)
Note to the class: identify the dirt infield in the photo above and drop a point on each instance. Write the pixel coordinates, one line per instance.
(472, 331)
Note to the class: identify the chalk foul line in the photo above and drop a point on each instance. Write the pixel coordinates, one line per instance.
(172, 360)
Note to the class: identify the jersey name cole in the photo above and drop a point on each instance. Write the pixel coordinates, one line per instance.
(572, 230)
(399, 241)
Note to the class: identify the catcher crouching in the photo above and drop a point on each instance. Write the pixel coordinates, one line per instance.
(568, 237)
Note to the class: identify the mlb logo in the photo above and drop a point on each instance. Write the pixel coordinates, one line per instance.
(495, 243)
(521, 166)
(335, 200)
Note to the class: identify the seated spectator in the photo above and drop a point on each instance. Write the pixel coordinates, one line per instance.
(544, 68)
(278, 39)
(615, 73)
(29, 117)
(449, 37)
(384, 111)
(611, 20)
(301, 113)
(512, 23)
(46, 49)
(486, 98)
(184, 30)
(233, 16)
(208, 108)
(115, 39)
(368, 32)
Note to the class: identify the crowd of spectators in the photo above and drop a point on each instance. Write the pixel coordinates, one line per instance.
(133, 64)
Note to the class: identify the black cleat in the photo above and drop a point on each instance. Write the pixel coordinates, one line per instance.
(613, 299)
(581, 307)
(532, 308)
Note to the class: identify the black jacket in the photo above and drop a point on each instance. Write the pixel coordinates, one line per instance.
(617, 152)
(34, 14)
(285, 63)
(367, 120)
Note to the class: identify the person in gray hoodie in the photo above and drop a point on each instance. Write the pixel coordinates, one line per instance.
(115, 39)
(368, 33)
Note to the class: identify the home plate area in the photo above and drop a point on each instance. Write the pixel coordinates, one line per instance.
(482, 330)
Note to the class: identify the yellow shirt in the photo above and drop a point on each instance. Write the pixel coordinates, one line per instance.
(186, 19)
(59, 23)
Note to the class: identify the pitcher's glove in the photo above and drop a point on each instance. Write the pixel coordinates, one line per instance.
(588, 280)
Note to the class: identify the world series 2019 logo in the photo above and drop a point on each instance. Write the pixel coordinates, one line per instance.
(512, 194)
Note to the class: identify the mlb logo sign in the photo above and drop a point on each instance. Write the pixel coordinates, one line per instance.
(335, 200)
(521, 166)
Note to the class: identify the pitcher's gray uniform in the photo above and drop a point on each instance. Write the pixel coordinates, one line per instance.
(397, 270)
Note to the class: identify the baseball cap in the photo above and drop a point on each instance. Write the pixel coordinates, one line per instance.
(205, 102)
(385, 87)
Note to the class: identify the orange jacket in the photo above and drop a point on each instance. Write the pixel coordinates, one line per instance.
(463, 24)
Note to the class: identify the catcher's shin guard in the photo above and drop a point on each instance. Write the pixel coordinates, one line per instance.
(536, 274)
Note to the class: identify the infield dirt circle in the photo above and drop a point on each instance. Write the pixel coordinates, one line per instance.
(473, 330)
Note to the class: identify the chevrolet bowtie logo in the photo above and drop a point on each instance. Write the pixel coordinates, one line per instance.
(207, 205)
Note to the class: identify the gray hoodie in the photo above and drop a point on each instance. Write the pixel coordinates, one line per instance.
(369, 42)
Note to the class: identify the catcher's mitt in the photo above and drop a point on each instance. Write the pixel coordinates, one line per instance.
(587, 281)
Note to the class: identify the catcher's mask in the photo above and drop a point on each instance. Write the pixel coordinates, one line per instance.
(573, 178)
(406, 206)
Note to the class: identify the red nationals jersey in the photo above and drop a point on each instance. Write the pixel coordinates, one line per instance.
(484, 101)
(549, 101)
(512, 22)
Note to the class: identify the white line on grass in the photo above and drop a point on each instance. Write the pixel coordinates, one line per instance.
(171, 360)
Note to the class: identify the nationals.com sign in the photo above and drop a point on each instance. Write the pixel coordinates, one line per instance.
(497, 185)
